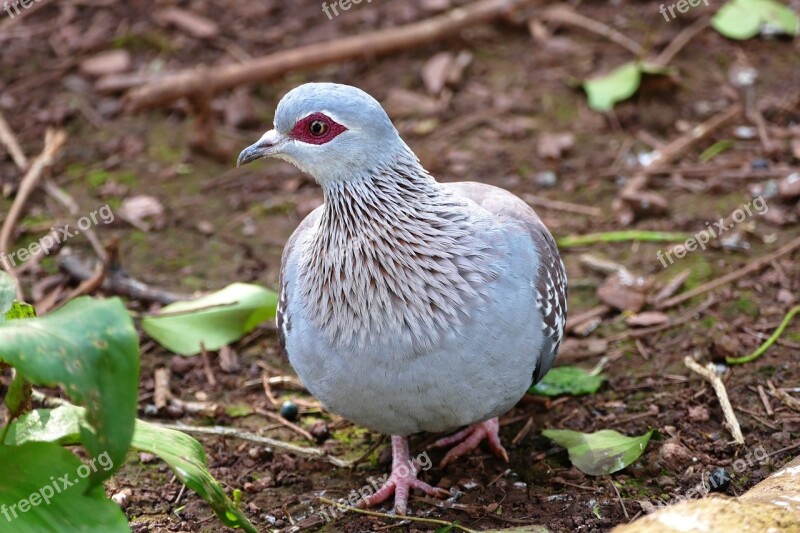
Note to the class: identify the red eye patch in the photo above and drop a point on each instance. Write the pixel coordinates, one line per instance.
(316, 128)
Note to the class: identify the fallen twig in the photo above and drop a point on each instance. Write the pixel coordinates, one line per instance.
(708, 372)
(753, 266)
(445, 523)
(9, 140)
(211, 80)
(282, 421)
(680, 41)
(116, 281)
(53, 141)
(789, 401)
(566, 15)
(558, 205)
(303, 451)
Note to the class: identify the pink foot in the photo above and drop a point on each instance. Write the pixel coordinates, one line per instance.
(468, 439)
(402, 479)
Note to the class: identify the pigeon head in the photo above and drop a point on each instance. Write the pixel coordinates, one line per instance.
(333, 132)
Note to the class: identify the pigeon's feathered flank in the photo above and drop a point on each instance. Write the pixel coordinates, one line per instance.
(408, 305)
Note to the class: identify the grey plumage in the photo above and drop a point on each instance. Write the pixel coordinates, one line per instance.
(407, 305)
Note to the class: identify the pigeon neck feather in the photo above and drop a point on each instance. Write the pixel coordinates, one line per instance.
(393, 260)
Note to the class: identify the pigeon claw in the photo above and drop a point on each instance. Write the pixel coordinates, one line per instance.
(400, 483)
(469, 438)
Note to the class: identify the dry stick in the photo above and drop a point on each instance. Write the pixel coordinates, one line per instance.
(53, 141)
(751, 267)
(452, 525)
(663, 59)
(294, 427)
(558, 205)
(711, 376)
(302, 451)
(9, 140)
(212, 80)
(566, 15)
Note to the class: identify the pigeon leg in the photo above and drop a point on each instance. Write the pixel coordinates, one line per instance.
(469, 438)
(402, 479)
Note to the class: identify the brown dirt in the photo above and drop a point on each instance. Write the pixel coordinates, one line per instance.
(515, 90)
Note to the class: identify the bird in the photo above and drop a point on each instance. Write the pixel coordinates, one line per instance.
(408, 305)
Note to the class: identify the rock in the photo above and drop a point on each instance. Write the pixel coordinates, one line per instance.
(698, 413)
(436, 71)
(789, 187)
(122, 498)
(553, 145)
(624, 291)
(648, 318)
(188, 22)
(109, 62)
(675, 455)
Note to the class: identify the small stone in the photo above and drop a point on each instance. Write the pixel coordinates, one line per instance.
(319, 430)
(698, 413)
(675, 455)
(781, 437)
(122, 498)
(180, 365)
(789, 187)
(759, 164)
(547, 178)
(145, 457)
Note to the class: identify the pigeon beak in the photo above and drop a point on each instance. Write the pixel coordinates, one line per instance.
(268, 145)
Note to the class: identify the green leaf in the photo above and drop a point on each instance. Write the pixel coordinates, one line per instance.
(180, 451)
(36, 498)
(568, 380)
(213, 320)
(61, 425)
(91, 348)
(616, 86)
(188, 460)
(744, 19)
(8, 291)
(18, 398)
(602, 452)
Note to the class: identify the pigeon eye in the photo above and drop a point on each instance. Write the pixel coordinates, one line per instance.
(318, 128)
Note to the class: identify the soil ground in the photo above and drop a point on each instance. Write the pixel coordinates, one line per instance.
(222, 225)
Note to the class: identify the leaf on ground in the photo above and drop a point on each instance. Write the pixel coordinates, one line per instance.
(568, 380)
(618, 85)
(186, 457)
(213, 320)
(34, 474)
(91, 348)
(744, 19)
(603, 452)
(61, 425)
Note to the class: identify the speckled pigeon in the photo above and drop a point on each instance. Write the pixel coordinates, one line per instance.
(406, 304)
